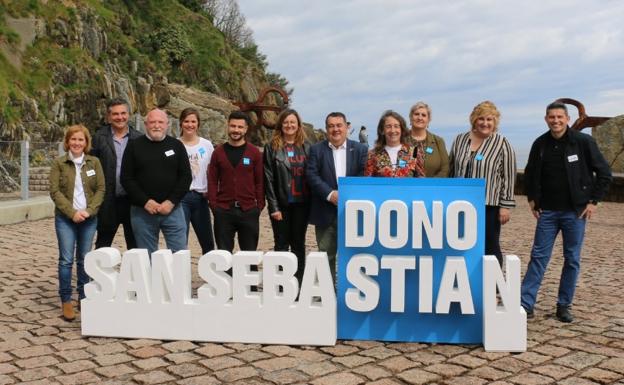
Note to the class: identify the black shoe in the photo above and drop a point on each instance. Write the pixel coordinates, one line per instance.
(530, 314)
(564, 314)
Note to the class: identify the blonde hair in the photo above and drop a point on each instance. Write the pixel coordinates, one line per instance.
(483, 109)
(71, 130)
(277, 140)
(420, 105)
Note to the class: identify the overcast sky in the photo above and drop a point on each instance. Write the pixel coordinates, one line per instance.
(363, 57)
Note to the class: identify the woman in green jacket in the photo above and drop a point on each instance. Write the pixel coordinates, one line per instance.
(77, 189)
(430, 148)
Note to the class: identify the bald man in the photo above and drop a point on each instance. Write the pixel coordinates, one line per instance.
(156, 173)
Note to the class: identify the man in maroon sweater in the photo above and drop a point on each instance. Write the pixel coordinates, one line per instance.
(236, 187)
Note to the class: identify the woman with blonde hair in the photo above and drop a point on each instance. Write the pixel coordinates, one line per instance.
(77, 190)
(430, 148)
(286, 188)
(392, 156)
(483, 153)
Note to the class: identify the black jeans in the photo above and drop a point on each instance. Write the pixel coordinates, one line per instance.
(235, 221)
(290, 233)
(492, 233)
(106, 234)
(197, 213)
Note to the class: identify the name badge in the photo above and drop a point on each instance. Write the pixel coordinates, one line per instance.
(572, 158)
(479, 157)
(90, 172)
(429, 150)
(201, 151)
(169, 152)
(291, 154)
(246, 161)
(402, 163)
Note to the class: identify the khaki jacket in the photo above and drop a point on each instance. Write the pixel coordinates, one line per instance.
(62, 180)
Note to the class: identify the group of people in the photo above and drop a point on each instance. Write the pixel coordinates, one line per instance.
(154, 182)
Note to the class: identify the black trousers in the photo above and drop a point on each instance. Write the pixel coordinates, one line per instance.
(290, 233)
(106, 233)
(492, 233)
(235, 221)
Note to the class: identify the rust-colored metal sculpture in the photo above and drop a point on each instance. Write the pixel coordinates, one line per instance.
(259, 106)
(583, 120)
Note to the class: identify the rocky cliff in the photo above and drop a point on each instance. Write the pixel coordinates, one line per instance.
(61, 60)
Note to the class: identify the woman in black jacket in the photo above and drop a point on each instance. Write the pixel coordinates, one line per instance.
(285, 184)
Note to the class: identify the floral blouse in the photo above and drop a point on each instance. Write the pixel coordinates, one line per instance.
(379, 164)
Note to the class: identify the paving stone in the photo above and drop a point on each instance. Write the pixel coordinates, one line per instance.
(468, 361)
(425, 358)
(4, 357)
(614, 364)
(277, 363)
(340, 350)
(488, 373)
(8, 368)
(37, 362)
(530, 379)
(187, 370)
(278, 350)
(150, 363)
(140, 343)
(384, 381)
(344, 378)
(398, 364)
(85, 377)
(555, 371)
(213, 350)
(200, 380)
(238, 373)
(179, 346)
(36, 374)
(406, 347)
(115, 370)
(252, 355)
(153, 377)
(446, 370)
(148, 352)
(551, 350)
(579, 360)
(112, 359)
(352, 360)
(601, 376)
(71, 345)
(110, 348)
(179, 358)
(510, 364)
(76, 366)
(74, 355)
(418, 376)
(372, 372)
(220, 363)
(310, 355)
(4, 379)
(32, 351)
(449, 350)
(316, 369)
(465, 380)
(379, 352)
(286, 376)
(577, 381)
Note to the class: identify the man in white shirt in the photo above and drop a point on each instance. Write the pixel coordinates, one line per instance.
(329, 160)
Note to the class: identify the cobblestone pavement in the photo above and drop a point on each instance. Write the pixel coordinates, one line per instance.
(38, 347)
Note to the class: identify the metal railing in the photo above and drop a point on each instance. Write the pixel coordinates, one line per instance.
(17, 159)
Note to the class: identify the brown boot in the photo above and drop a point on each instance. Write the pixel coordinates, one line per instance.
(68, 311)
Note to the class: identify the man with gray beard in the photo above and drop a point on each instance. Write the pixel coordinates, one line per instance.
(156, 173)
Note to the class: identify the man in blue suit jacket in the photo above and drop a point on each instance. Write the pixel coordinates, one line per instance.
(330, 159)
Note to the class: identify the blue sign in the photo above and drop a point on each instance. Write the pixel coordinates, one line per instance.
(410, 254)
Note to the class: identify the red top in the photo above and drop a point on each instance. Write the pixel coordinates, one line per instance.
(243, 184)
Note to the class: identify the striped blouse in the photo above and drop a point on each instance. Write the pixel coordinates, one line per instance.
(494, 160)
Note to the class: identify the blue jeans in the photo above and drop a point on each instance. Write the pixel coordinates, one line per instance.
(548, 226)
(147, 227)
(73, 238)
(196, 212)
